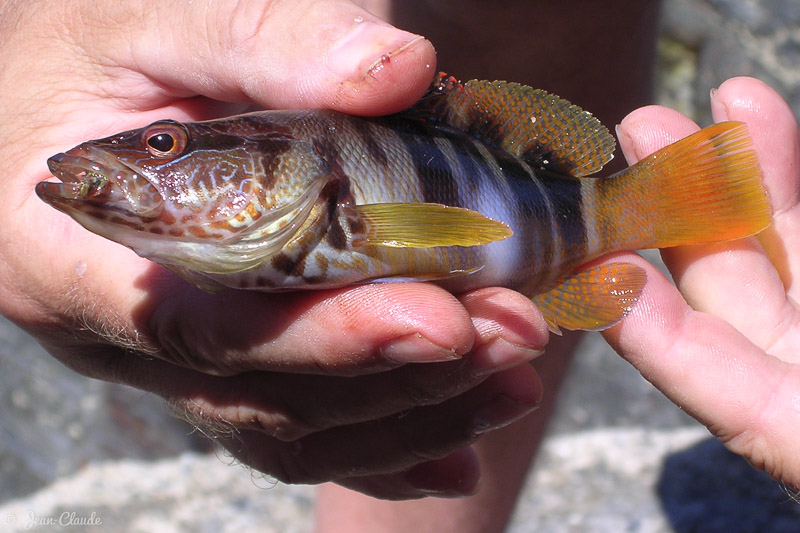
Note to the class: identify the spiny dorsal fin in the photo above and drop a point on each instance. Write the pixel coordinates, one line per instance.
(546, 131)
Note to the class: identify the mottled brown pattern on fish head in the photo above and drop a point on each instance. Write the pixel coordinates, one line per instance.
(267, 140)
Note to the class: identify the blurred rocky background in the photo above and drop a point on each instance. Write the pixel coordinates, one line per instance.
(619, 457)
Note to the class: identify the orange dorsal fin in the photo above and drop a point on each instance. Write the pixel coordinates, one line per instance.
(592, 299)
(546, 131)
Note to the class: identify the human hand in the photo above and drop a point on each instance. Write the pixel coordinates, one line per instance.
(305, 387)
(726, 348)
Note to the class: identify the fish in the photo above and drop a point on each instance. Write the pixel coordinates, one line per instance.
(482, 183)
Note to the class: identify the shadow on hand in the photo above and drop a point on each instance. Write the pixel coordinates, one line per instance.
(708, 489)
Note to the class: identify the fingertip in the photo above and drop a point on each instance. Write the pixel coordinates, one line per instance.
(454, 476)
(509, 329)
(398, 322)
(498, 312)
(391, 81)
(650, 128)
(287, 55)
(522, 388)
(744, 96)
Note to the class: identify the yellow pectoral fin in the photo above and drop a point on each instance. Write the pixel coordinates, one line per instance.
(593, 299)
(428, 225)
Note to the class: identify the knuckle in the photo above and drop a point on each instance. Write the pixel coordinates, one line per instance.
(291, 468)
(281, 424)
(203, 417)
(248, 21)
(265, 406)
(195, 348)
(247, 404)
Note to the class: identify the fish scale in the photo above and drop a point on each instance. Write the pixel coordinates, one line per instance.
(478, 184)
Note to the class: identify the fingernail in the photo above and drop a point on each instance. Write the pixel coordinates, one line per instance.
(498, 355)
(457, 475)
(499, 412)
(415, 348)
(366, 47)
(626, 144)
(719, 111)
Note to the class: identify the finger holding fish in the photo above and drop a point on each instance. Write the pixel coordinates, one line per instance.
(364, 432)
(775, 135)
(280, 405)
(391, 446)
(76, 70)
(352, 331)
(732, 279)
(730, 361)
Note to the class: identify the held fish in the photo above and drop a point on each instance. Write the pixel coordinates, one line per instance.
(478, 184)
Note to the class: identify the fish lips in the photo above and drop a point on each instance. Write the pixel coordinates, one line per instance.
(91, 177)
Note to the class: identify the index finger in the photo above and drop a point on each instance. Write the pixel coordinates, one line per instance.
(347, 331)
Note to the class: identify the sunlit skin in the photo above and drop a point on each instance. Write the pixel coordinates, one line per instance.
(74, 70)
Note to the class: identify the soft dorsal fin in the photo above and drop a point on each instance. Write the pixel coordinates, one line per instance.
(546, 131)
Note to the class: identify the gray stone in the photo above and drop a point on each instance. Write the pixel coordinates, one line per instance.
(55, 421)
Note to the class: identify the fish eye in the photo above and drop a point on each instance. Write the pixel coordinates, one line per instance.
(164, 139)
(161, 142)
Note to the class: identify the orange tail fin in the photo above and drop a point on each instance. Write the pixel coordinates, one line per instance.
(704, 188)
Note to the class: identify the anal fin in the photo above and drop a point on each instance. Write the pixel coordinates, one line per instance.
(592, 299)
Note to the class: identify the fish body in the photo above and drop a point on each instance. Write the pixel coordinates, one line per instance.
(479, 184)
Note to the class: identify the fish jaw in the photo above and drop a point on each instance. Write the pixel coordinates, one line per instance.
(96, 183)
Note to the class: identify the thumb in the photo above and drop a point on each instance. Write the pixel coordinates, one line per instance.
(278, 54)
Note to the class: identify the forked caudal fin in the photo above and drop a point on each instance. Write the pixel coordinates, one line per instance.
(704, 188)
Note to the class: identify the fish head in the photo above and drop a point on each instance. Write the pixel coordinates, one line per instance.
(182, 194)
(160, 179)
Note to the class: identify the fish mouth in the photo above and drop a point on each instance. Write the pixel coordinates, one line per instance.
(92, 179)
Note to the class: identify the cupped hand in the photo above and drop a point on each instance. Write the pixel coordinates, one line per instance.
(380, 387)
(726, 348)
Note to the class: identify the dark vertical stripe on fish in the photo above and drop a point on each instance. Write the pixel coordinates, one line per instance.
(565, 197)
(368, 133)
(435, 175)
(534, 209)
(606, 190)
(470, 161)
